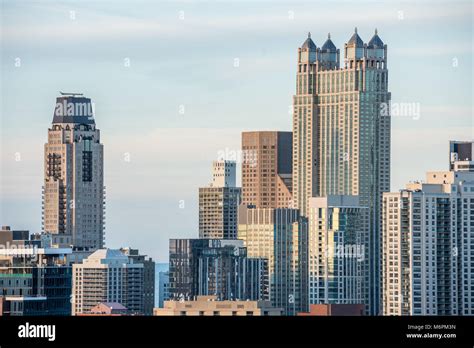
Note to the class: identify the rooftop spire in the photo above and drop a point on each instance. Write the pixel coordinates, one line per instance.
(309, 44)
(376, 31)
(355, 30)
(309, 35)
(329, 35)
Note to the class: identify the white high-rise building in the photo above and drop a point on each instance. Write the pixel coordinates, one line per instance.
(218, 203)
(341, 132)
(223, 173)
(107, 275)
(428, 246)
(73, 191)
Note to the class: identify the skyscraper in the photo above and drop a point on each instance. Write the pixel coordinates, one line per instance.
(148, 278)
(216, 267)
(73, 191)
(218, 203)
(427, 246)
(280, 236)
(266, 169)
(108, 275)
(341, 132)
(337, 258)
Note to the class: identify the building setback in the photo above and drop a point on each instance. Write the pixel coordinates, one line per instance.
(266, 169)
(341, 132)
(218, 203)
(215, 267)
(280, 236)
(73, 191)
(428, 246)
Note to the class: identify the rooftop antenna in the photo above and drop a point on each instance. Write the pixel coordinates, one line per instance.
(71, 94)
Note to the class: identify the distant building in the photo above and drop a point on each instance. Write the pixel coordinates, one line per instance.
(215, 267)
(148, 278)
(210, 306)
(34, 279)
(427, 246)
(334, 310)
(280, 236)
(462, 151)
(218, 203)
(338, 257)
(266, 169)
(223, 173)
(163, 287)
(73, 191)
(7, 234)
(122, 282)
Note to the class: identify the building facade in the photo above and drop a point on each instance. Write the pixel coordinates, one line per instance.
(34, 279)
(223, 173)
(148, 277)
(337, 256)
(218, 203)
(73, 191)
(266, 169)
(108, 275)
(428, 246)
(163, 288)
(216, 267)
(280, 236)
(460, 151)
(341, 132)
(211, 306)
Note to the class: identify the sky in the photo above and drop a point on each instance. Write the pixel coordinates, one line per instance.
(174, 84)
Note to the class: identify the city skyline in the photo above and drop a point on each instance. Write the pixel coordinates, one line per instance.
(148, 151)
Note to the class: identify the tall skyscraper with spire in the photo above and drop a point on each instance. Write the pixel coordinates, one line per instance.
(73, 191)
(341, 133)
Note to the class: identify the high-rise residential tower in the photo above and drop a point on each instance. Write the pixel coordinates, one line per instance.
(215, 267)
(266, 169)
(73, 191)
(428, 246)
(337, 259)
(280, 236)
(108, 275)
(341, 132)
(218, 203)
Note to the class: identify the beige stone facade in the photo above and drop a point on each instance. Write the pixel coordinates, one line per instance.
(209, 306)
(73, 191)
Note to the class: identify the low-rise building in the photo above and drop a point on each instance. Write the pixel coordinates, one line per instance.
(210, 306)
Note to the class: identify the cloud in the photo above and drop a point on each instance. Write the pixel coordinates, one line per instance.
(92, 25)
